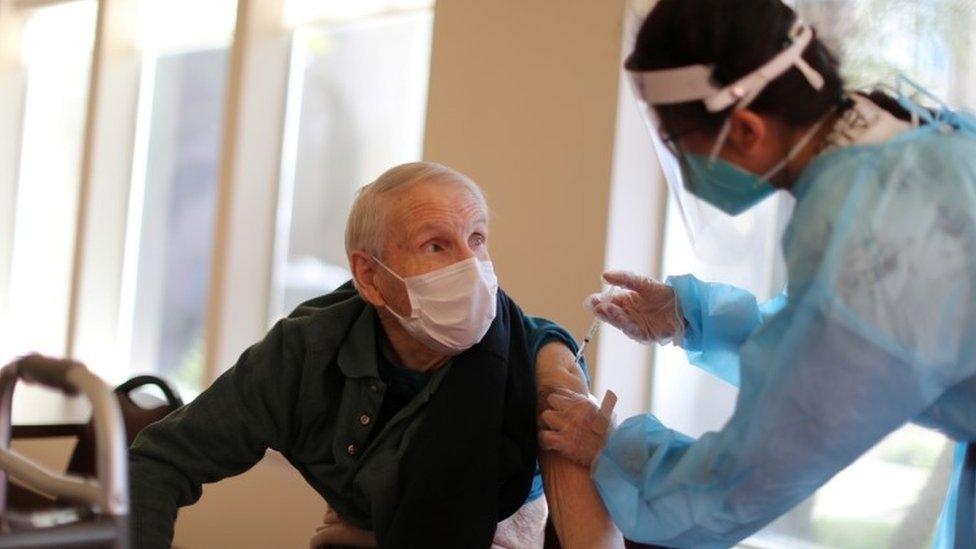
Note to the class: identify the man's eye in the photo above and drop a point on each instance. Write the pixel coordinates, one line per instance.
(433, 247)
(478, 240)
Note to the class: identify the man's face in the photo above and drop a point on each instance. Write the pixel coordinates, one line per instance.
(429, 226)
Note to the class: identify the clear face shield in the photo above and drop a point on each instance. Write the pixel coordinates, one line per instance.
(709, 193)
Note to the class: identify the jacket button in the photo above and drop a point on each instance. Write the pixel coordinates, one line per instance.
(351, 449)
(364, 419)
(374, 388)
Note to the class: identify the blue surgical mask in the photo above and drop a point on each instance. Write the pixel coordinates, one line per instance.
(724, 185)
(729, 187)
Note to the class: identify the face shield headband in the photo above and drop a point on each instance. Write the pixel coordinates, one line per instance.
(694, 82)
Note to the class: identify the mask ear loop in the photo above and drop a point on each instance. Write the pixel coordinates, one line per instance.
(795, 149)
(413, 306)
(387, 269)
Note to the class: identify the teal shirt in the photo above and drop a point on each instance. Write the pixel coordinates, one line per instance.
(314, 390)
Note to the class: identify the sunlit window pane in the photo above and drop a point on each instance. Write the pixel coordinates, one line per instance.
(931, 41)
(356, 107)
(172, 212)
(49, 175)
(168, 25)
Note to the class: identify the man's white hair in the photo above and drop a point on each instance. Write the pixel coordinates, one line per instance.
(366, 228)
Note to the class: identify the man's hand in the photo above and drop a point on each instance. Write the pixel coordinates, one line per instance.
(575, 427)
(336, 532)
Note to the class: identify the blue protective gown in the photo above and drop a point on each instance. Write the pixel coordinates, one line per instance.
(878, 328)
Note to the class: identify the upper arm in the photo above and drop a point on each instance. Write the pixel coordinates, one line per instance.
(577, 513)
(554, 350)
(555, 367)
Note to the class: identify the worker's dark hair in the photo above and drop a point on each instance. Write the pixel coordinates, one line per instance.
(735, 37)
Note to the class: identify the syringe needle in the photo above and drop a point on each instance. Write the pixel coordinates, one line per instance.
(591, 332)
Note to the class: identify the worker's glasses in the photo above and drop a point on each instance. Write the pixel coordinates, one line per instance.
(670, 140)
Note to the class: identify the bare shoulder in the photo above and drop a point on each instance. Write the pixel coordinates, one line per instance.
(554, 367)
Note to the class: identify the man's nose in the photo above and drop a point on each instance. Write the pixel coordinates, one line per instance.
(464, 252)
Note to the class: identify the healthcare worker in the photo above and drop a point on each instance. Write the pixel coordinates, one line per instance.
(877, 326)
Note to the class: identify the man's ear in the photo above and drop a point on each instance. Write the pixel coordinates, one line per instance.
(364, 272)
(747, 131)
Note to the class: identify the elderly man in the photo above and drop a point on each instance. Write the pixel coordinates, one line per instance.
(407, 398)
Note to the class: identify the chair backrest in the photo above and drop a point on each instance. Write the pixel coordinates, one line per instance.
(135, 417)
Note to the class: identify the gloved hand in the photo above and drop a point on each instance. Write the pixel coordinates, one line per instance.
(645, 310)
(575, 426)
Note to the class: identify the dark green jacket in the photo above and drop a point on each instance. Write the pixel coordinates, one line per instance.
(310, 390)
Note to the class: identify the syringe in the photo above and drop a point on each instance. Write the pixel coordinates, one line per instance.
(609, 398)
(591, 332)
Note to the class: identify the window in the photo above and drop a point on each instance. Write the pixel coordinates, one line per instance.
(930, 41)
(356, 106)
(892, 496)
(173, 199)
(34, 310)
(36, 316)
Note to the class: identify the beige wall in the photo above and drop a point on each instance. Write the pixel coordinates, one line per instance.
(523, 98)
(269, 506)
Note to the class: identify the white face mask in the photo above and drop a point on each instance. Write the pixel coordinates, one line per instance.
(451, 308)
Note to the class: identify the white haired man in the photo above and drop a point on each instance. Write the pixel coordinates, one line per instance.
(407, 398)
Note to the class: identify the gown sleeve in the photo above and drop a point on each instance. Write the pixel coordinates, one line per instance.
(719, 318)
